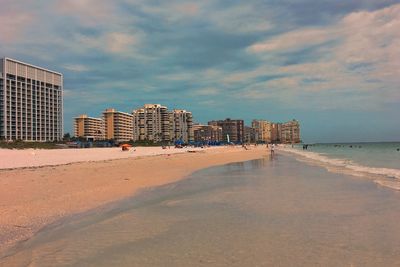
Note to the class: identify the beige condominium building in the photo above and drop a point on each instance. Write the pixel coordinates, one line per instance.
(263, 130)
(276, 132)
(290, 132)
(152, 123)
(207, 133)
(31, 102)
(89, 128)
(232, 130)
(249, 135)
(181, 126)
(118, 125)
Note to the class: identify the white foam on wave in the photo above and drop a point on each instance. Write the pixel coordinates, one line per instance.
(350, 167)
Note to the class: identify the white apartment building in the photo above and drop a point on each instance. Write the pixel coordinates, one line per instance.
(181, 126)
(31, 102)
(151, 123)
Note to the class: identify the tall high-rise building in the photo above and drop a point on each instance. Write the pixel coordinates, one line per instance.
(207, 133)
(89, 128)
(276, 132)
(290, 132)
(249, 134)
(232, 130)
(31, 102)
(118, 125)
(152, 123)
(262, 130)
(181, 126)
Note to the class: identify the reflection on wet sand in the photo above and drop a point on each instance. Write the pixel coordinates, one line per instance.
(260, 213)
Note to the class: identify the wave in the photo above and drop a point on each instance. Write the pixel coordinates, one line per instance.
(383, 176)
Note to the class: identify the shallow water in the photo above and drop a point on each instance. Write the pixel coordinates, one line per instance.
(377, 161)
(375, 155)
(277, 212)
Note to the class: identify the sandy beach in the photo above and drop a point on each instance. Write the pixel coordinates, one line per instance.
(15, 158)
(266, 212)
(33, 194)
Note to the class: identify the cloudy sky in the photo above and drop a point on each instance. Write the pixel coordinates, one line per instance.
(334, 65)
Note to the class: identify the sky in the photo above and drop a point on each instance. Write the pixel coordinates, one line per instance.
(334, 65)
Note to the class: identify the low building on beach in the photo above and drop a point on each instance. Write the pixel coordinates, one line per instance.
(118, 125)
(207, 133)
(89, 128)
(232, 130)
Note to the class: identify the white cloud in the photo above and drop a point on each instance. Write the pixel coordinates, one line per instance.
(76, 67)
(88, 12)
(16, 18)
(190, 9)
(245, 76)
(209, 103)
(181, 76)
(364, 60)
(111, 42)
(243, 18)
(294, 40)
(13, 26)
(118, 42)
(174, 11)
(208, 91)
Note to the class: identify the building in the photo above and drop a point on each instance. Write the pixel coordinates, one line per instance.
(207, 133)
(232, 130)
(151, 123)
(89, 128)
(181, 126)
(31, 102)
(290, 132)
(249, 135)
(276, 132)
(262, 130)
(118, 125)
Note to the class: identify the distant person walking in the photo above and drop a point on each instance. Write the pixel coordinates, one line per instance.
(272, 149)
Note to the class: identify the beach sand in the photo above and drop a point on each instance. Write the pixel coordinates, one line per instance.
(31, 198)
(269, 212)
(49, 157)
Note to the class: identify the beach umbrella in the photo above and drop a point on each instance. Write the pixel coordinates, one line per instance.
(125, 147)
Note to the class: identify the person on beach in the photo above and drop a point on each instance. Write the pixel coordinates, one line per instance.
(272, 149)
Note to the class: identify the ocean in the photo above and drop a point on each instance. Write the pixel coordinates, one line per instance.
(270, 212)
(378, 161)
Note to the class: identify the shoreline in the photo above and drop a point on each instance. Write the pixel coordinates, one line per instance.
(382, 176)
(47, 194)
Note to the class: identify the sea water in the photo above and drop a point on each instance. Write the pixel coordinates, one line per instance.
(269, 212)
(381, 161)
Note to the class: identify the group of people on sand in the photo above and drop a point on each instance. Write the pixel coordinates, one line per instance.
(272, 148)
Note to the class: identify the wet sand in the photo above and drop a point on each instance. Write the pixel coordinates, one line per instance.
(34, 197)
(278, 212)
